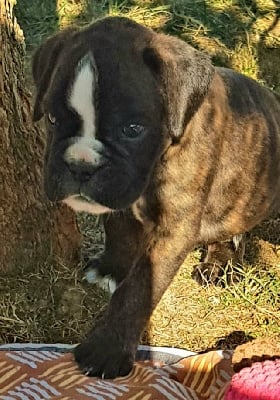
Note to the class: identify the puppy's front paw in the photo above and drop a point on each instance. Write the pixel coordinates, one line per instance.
(104, 354)
(92, 274)
(215, 274)
(207, 274)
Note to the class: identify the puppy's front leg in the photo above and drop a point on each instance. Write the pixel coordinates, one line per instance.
(123, 240)
(110, 347)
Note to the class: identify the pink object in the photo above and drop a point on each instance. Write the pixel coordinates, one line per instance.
(261, 381)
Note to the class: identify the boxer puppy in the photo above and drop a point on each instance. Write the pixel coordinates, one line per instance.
(175, 152)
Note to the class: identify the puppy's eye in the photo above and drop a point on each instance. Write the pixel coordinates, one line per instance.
(51, 119)
(133, 131)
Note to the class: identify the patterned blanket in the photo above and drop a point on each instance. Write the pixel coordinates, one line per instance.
(36, 373)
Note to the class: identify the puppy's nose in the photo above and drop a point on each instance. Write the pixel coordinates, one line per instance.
(82, 171)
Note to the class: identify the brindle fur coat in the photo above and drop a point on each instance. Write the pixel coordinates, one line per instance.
(175, 152)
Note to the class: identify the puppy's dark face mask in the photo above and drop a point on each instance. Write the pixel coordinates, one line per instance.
(103, 92)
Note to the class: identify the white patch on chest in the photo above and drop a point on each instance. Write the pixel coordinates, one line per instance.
(137, 209)
(81, 97)
(90, 207)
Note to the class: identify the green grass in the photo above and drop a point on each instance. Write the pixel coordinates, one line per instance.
(38, 19)
(242, 34)
(237, 33)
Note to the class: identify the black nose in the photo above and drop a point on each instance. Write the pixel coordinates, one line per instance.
(82, 172)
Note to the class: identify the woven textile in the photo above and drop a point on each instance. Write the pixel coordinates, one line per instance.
(48, 374)
(260, 381)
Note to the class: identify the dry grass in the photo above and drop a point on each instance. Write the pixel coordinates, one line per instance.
(200, 318)
(53, 303)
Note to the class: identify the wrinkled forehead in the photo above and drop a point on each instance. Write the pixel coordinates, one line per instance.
(104, 68)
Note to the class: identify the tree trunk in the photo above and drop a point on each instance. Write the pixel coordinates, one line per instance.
(32, 231)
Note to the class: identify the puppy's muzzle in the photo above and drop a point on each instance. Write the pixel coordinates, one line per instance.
(83, 158)
(82, 171)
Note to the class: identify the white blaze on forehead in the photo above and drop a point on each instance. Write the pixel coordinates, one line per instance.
(81, 97)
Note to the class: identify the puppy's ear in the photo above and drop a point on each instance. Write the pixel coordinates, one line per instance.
(185, 75)
(43, 65)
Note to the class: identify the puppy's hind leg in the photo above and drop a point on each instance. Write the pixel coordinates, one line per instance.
(221, 258)
(122, 244)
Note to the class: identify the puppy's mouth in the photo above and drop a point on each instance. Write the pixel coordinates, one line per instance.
(84, 198)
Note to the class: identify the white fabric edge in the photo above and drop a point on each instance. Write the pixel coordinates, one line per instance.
(37, 346)
(168, 350)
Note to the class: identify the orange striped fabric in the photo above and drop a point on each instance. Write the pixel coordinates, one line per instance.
(37, 375)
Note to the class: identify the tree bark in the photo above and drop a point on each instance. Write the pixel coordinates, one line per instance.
(32, 231)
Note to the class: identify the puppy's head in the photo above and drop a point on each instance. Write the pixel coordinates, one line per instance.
(113, 96)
